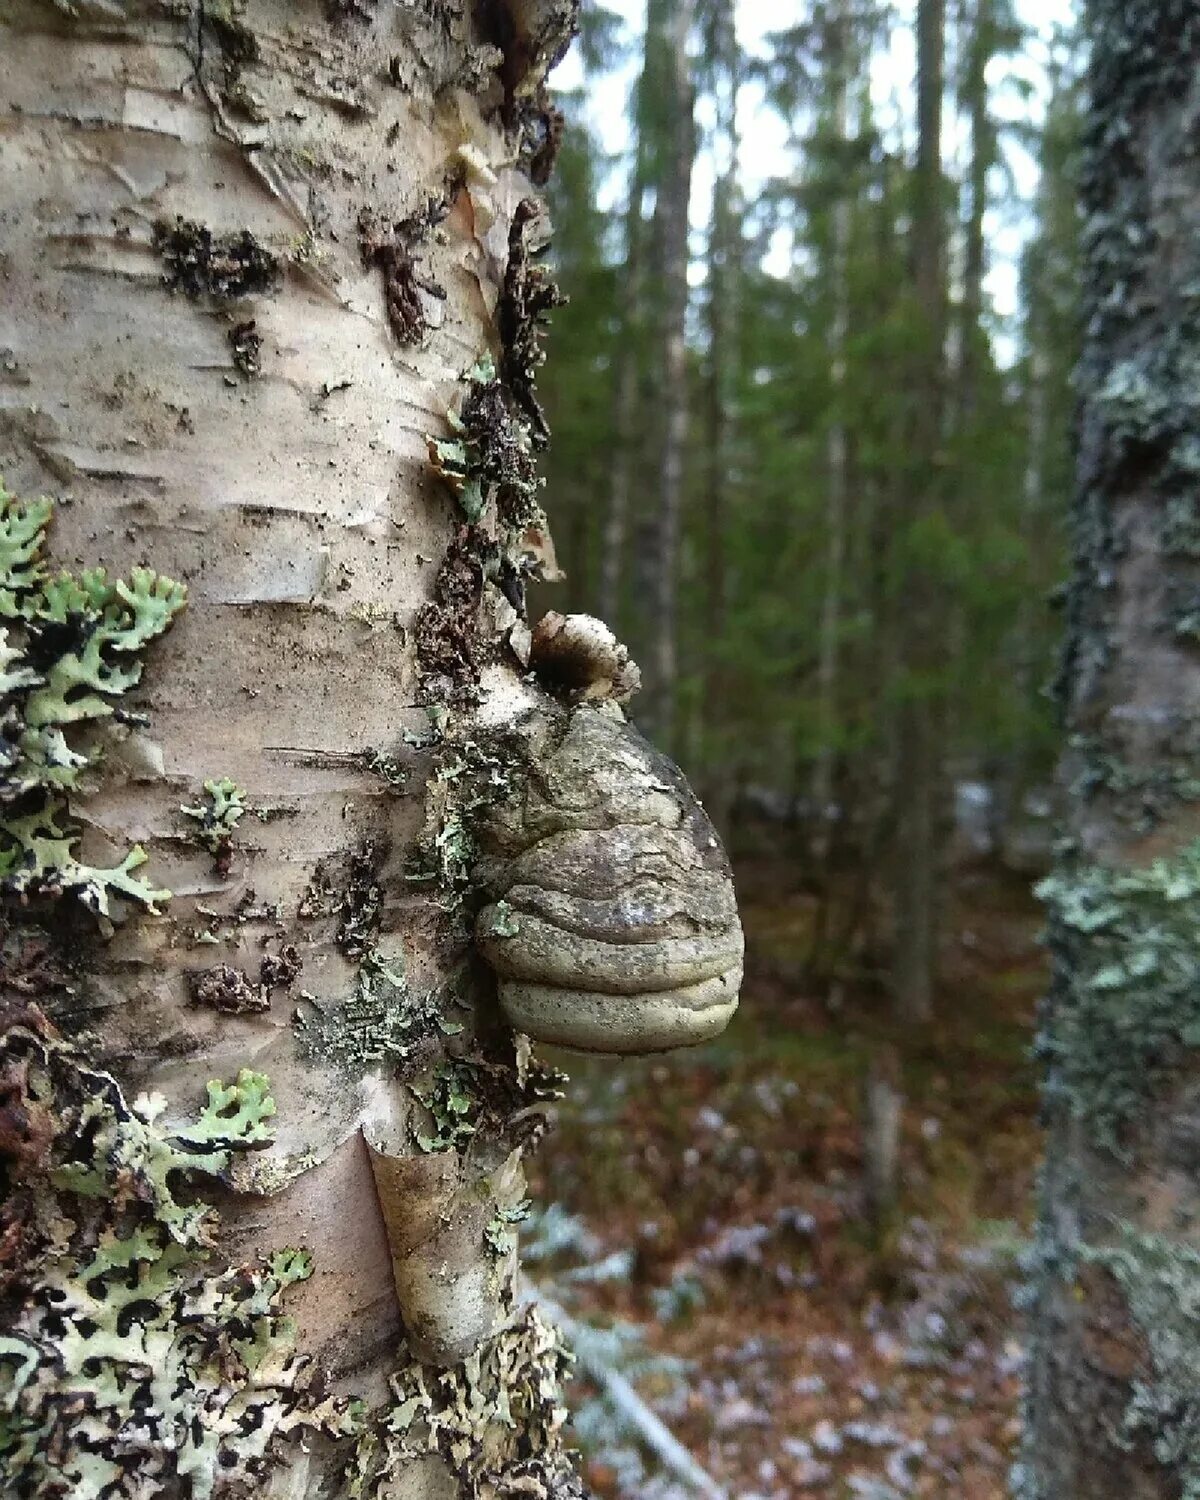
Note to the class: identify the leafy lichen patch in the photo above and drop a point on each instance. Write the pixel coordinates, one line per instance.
(497, 1420)
(381, 1022)
(216, 819)
(1160, 1282)
(70, 648)
(126, 1369)
(1126, 1009)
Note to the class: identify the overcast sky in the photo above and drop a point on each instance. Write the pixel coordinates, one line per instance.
(764, 152)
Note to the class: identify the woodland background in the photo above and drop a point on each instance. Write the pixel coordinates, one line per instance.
(812, 407)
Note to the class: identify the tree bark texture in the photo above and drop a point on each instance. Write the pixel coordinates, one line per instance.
(1113, 1404)
(251, 257)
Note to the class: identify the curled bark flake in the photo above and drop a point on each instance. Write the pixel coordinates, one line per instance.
(579, 657)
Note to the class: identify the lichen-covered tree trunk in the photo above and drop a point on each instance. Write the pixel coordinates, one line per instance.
(1113, 1402)
(252, 256)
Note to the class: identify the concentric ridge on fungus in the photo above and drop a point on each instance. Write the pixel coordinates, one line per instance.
(612, 923)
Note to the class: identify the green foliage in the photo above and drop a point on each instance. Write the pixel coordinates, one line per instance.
(69, 648)
(987, 539)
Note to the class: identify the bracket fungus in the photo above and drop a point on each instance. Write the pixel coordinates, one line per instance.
(611, 920)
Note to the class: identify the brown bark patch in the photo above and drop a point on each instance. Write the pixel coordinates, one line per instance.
(202, 264)
(447, 628)
(390, 248)
(530, 295)
(228, 990)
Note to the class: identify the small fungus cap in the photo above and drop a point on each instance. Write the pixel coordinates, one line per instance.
(578, 657)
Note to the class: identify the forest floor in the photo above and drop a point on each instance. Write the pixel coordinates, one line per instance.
(713, 1203)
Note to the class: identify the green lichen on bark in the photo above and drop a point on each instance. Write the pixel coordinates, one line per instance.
(488, 462)
(381, 1022)
(454, 1105)
(127, 1369)
(1126, 1005)
(70, 648)
(1141, 796)
(217, 818)
(496, 1419)
(1160, 1281)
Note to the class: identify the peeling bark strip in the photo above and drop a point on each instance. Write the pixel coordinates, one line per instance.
(1113, 1403)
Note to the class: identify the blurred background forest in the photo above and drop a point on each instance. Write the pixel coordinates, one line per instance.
(811, 406)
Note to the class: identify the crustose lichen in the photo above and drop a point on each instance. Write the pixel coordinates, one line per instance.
(70, 647)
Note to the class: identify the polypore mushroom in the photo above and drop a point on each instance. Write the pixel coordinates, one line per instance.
(612, 923)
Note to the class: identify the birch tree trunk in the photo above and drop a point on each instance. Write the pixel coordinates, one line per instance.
(1113, 1402)
(251, 256)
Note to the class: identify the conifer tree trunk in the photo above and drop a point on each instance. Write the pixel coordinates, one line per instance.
(671, 213)
(724, 275)
(916, 766)
(1113, 1402)
(837, 60)
(614, 549)
(251, 257)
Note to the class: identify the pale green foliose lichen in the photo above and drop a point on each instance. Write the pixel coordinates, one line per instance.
(1126, 1006)
(452, 1101)
(500, 1235)
(217, 818)
(381, 1022)
(497, 1420)
(69, 649)
(126, 1368)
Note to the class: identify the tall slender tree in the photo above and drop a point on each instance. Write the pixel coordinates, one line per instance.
(917, 765)
(673, 22)
(1113, 1406)
(839, 66)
